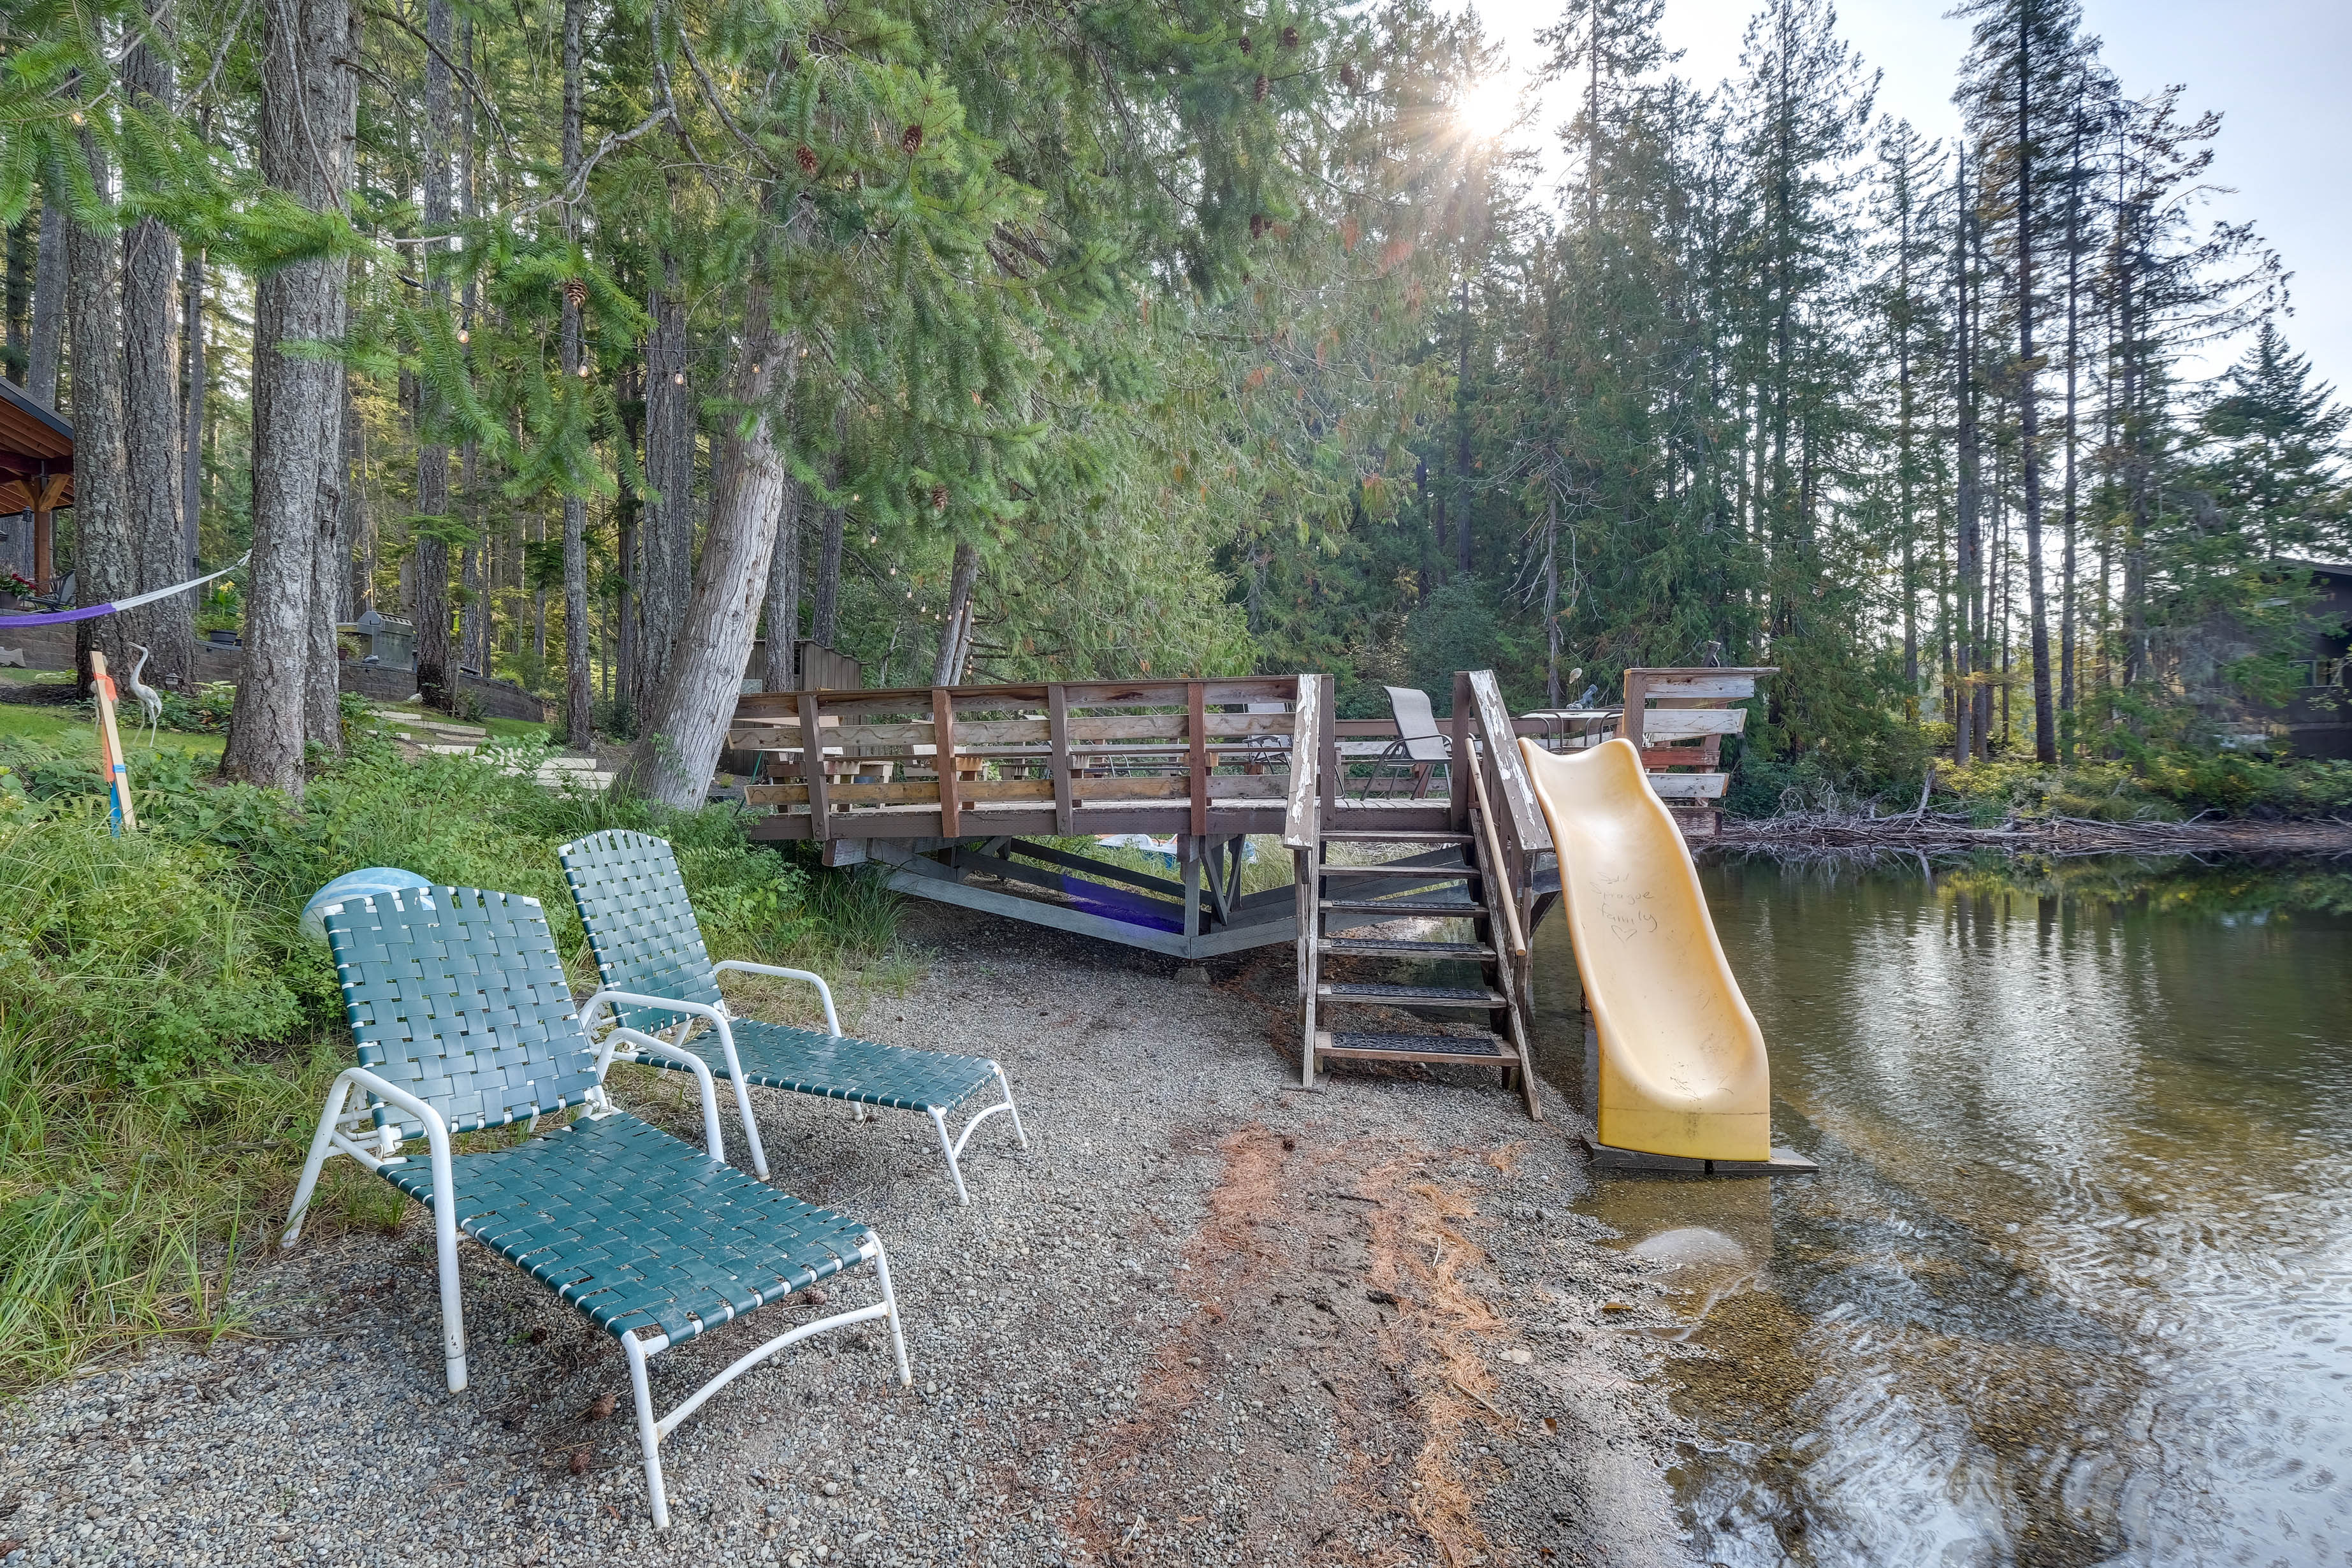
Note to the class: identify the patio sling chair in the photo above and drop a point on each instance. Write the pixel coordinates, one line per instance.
(659, 975)
(1420, 745)
(464, 1021)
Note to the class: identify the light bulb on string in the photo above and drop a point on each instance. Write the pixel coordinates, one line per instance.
(464, 336)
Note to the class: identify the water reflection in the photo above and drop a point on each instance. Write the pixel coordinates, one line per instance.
(2075, 1284)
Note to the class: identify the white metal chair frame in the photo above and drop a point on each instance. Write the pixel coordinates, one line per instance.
(335, 1135)
(592, 1011)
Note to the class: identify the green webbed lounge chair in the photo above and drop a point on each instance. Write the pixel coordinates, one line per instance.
(659, 975)
(465, 1021)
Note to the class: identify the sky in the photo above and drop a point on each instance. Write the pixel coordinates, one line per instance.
(2275, 68)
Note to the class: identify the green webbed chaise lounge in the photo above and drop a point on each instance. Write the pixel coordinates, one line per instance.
(464, 1021)
(659, 975)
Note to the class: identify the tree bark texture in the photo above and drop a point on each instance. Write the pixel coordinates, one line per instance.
(48, 326)
(674, 759)
(2029, 410)
(784, 591)
(948, 668)
(151, 402)
(434, 683)
(307, 104)
(105, 565)
(824, 616)
(580, 693)
(191, 404)
(668, 533)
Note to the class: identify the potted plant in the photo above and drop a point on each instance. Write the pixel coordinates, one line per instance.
(15, 591)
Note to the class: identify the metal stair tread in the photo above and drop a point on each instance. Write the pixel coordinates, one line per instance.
(1392, 869)
(1486, 1049)
(1392, 835)
(1405, 906)
(1388, 947)
(1407, 995)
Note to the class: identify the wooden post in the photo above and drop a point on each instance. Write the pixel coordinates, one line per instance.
(1057, 748)
(1328, 762)
(1457, 778)
(1637, 697)
(1197, 721)
(109, 745)
(813, 768)
(943, 746)
(45, 530)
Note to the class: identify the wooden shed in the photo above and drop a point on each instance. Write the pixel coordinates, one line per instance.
(36, 470)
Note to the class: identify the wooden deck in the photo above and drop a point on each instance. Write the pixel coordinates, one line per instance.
(1205, 764)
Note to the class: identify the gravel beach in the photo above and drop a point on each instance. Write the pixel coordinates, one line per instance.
(1207, 1318)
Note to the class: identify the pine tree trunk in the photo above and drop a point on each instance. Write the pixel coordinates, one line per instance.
(105, 555)
(192, 405)
(962, 575)
(297, 398)
(47, 335)
(151, 401)
(825, 625)
(430, 552)
(1966, 602)
(667, 540)
(2029, 410)
(2067, 611)
(678, 748)
(580, 692)
(784, 592)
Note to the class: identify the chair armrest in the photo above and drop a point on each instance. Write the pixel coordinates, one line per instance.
(603, 1003)
(436, 1131)
(647, 1045)
(823, 991)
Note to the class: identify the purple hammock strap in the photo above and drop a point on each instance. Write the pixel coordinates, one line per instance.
(91, 612)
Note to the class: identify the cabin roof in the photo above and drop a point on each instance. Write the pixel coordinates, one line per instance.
(35, 444)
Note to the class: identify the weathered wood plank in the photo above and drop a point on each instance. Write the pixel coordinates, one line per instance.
(1685, 723)
(1057, 734)
(812, 766)
(1518, 802)
(1197, 727)
(1721, 683)
(1298, 818)
(1689, 787)
(943, 737)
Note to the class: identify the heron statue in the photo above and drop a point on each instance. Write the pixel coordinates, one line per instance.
(151, 702)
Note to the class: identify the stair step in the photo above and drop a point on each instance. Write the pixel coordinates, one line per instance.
(1371, 836)
(1462, 908)
(1485, 1050)
(1409, 995)
(1390, 869)
(1379, 947)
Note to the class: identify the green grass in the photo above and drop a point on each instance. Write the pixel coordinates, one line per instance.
(167, 1034)
(59, 730)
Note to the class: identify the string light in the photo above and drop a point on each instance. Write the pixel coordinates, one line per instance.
(678, 378)
(464, 336)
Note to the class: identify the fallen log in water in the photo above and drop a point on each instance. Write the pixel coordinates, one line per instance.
(1947, 832)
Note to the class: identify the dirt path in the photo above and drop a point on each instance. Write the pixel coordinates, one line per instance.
(1207, 1318)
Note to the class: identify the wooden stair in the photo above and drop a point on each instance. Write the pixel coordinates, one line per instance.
(1353, 889)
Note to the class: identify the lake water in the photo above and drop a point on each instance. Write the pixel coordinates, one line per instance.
(2074, 1283)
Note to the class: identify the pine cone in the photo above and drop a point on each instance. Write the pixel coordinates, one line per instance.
(1290, 37)
(1348, 76)
(807, 158)
(1257, 225)
(938, 497)
(1259, 90)
(912, 140)
(575, 292)
(1245, 43)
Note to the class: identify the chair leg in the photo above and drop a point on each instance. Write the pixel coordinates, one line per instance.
(453, 1306)
(890, 1301)
(947, 1147)
(648, 1430)
(321, 1143)
(1018, 1131)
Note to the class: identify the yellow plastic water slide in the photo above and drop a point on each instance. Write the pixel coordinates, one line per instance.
(1682, 1068)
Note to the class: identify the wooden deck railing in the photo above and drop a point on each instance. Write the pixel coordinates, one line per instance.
(1188, 756)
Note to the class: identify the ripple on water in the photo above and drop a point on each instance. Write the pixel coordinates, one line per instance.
(2075, 1285)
